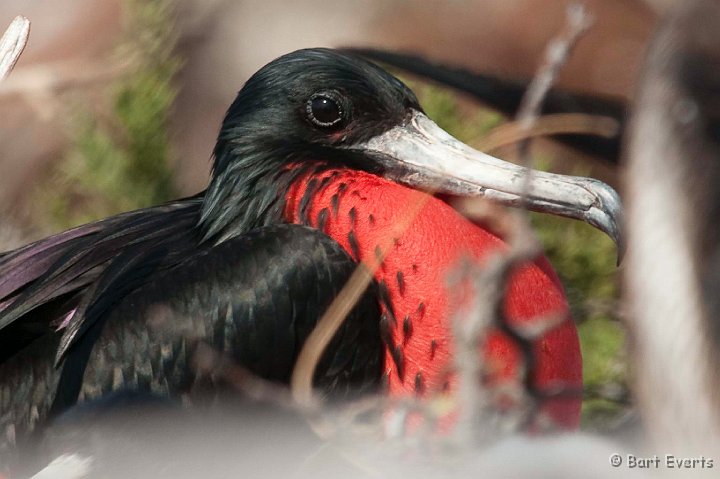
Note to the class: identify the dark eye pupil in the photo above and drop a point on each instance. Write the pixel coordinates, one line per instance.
(324, 111)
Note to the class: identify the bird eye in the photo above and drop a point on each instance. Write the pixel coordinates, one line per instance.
(324, 110)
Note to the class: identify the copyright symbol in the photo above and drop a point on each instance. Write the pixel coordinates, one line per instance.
(615, 460)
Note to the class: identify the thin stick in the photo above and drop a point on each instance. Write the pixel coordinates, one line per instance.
(556, 55)
(491, 282)
(546, 125)
(12, 44)
(322, 334)
(330, 322)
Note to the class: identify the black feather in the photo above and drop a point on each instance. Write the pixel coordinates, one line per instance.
(122, 303)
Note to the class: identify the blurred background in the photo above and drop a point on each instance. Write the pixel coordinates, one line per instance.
(116, 104)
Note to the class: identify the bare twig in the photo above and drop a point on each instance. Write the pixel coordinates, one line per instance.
(12, 44)
(555, 124)
(330, 322)
(322, 334)
(556, 55)
(538, 327)
(490, 282)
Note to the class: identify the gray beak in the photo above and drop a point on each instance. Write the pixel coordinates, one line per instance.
(422, 155)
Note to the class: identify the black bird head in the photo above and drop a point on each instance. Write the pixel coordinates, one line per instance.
(320, 108)
(312, 100)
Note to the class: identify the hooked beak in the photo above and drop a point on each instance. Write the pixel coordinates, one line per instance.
(422, 155)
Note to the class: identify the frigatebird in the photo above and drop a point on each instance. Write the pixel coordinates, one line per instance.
(316, 163)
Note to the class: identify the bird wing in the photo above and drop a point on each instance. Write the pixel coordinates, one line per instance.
(253, 299)
(45, 283)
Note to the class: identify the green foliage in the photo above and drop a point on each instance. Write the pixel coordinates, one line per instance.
(444, 108)
(121, 161)
(604, 371)
(585, 259)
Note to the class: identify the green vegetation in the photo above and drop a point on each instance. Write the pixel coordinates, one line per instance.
(442, 105)
(119, 160)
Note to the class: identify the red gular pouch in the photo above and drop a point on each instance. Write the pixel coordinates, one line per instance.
(421, 240)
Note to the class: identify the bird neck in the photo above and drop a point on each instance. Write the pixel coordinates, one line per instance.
(252, 174)
(247, 191)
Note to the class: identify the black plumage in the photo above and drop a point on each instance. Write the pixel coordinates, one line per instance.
(82, 299)
(254, 298)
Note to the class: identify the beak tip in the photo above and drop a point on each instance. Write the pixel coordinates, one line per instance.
(607, 215)
(621, 248)
(611, 206)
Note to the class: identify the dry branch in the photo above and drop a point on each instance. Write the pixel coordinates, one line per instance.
(547, 125)
(490, 282)
(12, 44)
(330, 322)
